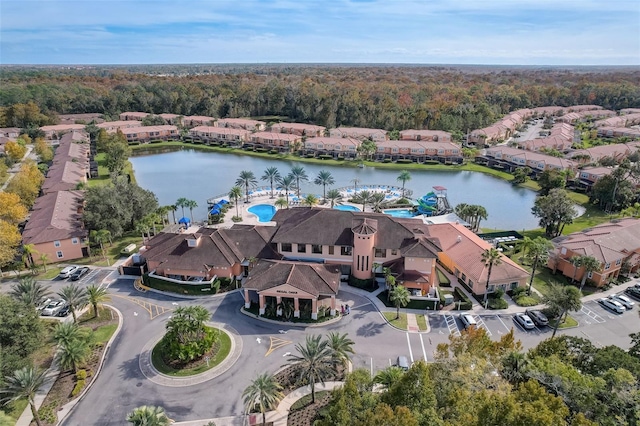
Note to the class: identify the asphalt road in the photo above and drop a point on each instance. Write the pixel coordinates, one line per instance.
(121, 386)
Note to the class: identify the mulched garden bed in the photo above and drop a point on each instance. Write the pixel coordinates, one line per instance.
(60, 393)
(306, 415)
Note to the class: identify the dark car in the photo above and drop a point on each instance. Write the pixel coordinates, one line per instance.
(537, 317)
(64, 311)
(79, 273)
(633, 292)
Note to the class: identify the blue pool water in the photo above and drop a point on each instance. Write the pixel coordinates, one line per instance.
(347, 208)
(264, 212)
(399, 213)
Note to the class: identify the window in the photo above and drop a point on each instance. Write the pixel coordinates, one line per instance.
(394, 252)
(74, 241)
(463, 277)
(513, 285)
(590, 274)
(59, 254)
(302, 248)
(56, 243)
(563, 250)
(618, 262)
(607, 265)
(331, 249)
(345, 250)
(316, 249)
(286, 247)
(381, 252)
(492, 288)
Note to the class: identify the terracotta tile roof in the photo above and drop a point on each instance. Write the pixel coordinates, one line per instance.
(510, 153)
(333, 141)
(54, 217)
(465, 248)
(62, 127)
(411, 144)
(108, 125)
(135, 114)
(75, 136)
(356, 132)
(411, 134)
(275, 136)
(244, 122)
(147, 129)
(64, 176)
(314, 278)
(297, 126)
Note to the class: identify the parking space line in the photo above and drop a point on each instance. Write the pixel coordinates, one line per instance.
(452, 325)
(409, 345)
(521, 328)
(505, 325)
(424, 352)
(591, 314)
(482, 324)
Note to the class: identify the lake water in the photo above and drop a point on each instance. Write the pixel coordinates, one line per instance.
(199, 175)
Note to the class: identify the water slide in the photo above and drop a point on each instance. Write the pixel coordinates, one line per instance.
(427, 204)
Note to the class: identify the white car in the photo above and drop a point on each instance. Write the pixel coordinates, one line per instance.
(624, 301)
(525, 321)
(44, 304)
(53, 308)
(66, 272)
(468, 321)
(614, 305)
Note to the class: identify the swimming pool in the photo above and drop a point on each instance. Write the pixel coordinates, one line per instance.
(264, 212)
(399, 213)
(347, 208)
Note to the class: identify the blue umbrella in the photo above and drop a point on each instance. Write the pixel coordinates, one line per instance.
(223, 202)
(184, 220)
(214, 211)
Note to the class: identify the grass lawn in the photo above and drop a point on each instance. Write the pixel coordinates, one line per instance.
(224, 348)
(413, 304)
(103, 173)
(422, 322)
(400, 323)
(51, 273)
(306, 400)
(103, 333)
(568, 323)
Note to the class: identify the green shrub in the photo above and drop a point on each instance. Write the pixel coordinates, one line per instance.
(527, 300)
(497, 304)
(367, 285)
(462, 301)
(173, 350)
(77, 388)
(156, 141)
(48, 412)
(386, 160)
(404, 161)
(236, 219)
(443, 279)
(325, 157)
(81, 375)
(273, 151)
(262, 150)
(431, 162)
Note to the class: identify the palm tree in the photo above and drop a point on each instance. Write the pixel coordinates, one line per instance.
(95, 296)
(246, 180)
(299, 175)
(149, 415)
(314, 360)
(44, 258)
(101, 237)
(235, 194)
(163, 212)
(142, 227)
(340, 346)
(288, 183)
(66, 332)
(75, 297)
(525, 245)
(400, 298)
(30, 291)
(538, 253)
(73, 353)
(182, 203)
(404, 177)
(28, 250)
(272, 175)
(389, 376)
(514, 366)
(478, 213)
(589, 264)
(281, 203)
(377, 202)
(174, 208)
(362, 197)
(355, 182)
(264, 392)
(24, 383)
(191, 204)
(562, 299)
(310, 200)
(324, 178)
(490, 257)
(334, 197)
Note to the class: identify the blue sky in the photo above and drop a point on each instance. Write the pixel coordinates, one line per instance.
(521, 32)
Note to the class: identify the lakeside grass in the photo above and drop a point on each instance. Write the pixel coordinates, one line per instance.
(103, 173)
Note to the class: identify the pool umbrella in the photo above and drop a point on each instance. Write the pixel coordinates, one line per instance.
(184, 220)
(214, 211)
(222, 202)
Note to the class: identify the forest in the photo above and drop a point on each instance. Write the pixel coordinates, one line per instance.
(455, 99)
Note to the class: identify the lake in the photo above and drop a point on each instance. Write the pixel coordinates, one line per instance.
(199, 175)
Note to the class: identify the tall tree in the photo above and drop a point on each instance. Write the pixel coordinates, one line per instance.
(334, 197)
(310, 200)
(95, 296)
(148, 415)
(281, 203)
(235, 194)
(24, 384)
(265, 393)
(100, 237)
(404, 177)
(363, 197)
(389, 376)
(191, 204)
(377, 202)
(66, 332)
(287, 183)
(246, 180)
(589, 264)
(562, 299)
(324, 178)
(76, 298)
(300, 175)
(30, 291)
(538, 253)
(490, 257)
(11, 209)
(314, 360)
(555, 211)
(117, 152)
(271, 174)
(182, 203)
(340, 346)
(73, 353)
(400, 297)
(21, 334)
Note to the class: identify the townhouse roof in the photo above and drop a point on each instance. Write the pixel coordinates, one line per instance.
(532, 156)
(333, 141)
(119, 124)
(548, 110)
(62, 127)
(607, 242)
(425, 133)
(316, 279)
(625, 131)
(77, 136)
(410, 144)
(613, 150)
(556, 142)
(358, 131)
(63, 176)
(167, 116)
(88, 117)
(630, 111)
(135, 114)
(275, 136)
(8, 131)
(465, 248)
(597, 171)
(202, 118)
(298, 126)
(55, 217)
(219, 130)
(578, 108)
(147, 129)
(241, 122)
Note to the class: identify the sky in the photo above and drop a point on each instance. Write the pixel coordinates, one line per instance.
(501, 32)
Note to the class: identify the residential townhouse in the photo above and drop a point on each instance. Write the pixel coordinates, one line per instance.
(361, 133)
(501, 130)
(198, 120)
(618, 152)
(512, 158)
(561, 138)
(419, 152)
(112, 126)
(65, 176)
(618, 132)
(55, 132)
(144, 134)
(630, 111)
(625, 120)
(300, 129)
(588, 176)
(96, 117)
(10, 132)
(613, 244)
(574, 117)
(582, 108)
(547, 111)
(425, 135)
(280, 141)
(132, 115)
(242, 123)
(174, 119)
(219, 135)
(336, 147)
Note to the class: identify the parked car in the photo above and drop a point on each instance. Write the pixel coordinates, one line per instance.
(468, 321)
(66, 272)
(633, 292)
(79, 273)
(53, 308)
(44, 304)
(403, 362)
(614, 305)
(524, 321)
(537, 317)
(624, 301)
(64, 311)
